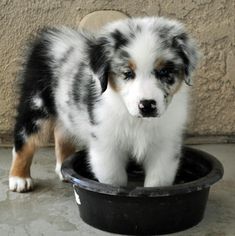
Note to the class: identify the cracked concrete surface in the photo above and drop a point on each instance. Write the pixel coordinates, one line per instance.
(51, 210)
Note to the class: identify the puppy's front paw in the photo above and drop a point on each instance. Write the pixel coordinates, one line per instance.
(157, 182)
(117, 181)
(19, 184)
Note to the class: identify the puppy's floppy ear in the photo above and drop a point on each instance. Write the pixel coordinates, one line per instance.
(187, 51)
(99, 60)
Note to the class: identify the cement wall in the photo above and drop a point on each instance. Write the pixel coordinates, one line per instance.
(211, 22)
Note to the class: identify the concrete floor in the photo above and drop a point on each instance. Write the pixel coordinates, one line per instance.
(51, 210)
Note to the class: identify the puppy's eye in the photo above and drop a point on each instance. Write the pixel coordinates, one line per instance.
(129, 75)
(165, 75)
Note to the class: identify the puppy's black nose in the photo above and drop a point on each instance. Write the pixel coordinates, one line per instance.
(148, 108)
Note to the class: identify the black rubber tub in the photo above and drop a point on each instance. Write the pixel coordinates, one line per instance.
(135, 210)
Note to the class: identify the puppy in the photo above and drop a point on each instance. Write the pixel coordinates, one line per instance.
(119, 93)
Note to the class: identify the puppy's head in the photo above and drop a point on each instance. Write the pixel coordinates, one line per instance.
(145, 61)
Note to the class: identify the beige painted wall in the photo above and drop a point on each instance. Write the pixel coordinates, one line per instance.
(211, 22)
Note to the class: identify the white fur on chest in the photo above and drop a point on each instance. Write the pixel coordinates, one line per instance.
(135, 136)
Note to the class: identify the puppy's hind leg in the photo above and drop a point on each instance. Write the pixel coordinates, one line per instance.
(20, 179)
(63, 148)
(27, 137)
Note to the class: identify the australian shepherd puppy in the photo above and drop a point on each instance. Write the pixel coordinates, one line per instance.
(119, 93)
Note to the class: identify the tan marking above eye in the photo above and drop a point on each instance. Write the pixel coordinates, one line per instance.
(159, 64)
(132, 65)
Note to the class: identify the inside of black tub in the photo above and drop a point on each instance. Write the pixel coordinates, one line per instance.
(193, 166)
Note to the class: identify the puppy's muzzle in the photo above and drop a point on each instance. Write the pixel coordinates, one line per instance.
(148, 108)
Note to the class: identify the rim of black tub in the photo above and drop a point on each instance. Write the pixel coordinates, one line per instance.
(213, 176)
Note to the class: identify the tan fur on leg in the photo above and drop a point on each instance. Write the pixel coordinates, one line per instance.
(22, 161)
